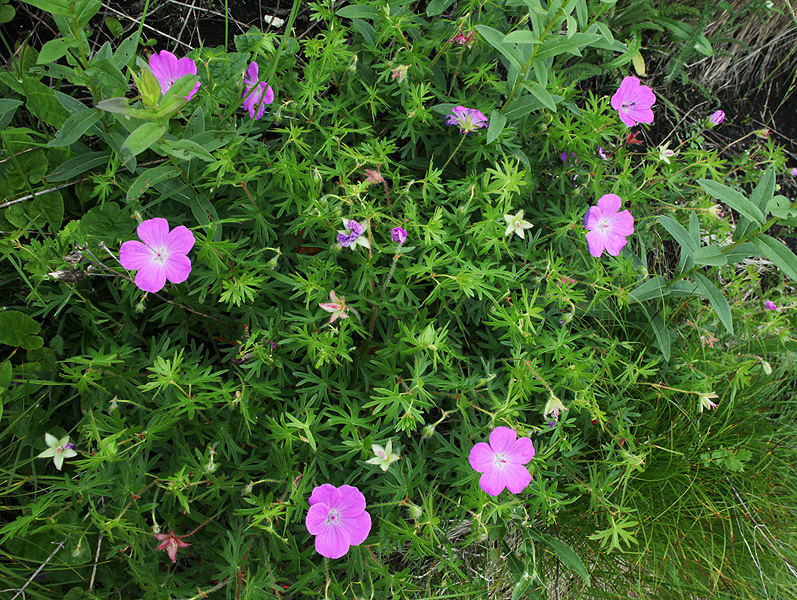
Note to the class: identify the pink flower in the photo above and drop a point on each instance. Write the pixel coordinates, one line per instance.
(463, 39)
(337, 307)
(602, 154)
(501, 461)
(633, 101)
(256, 93)
(167, 69)
(769, 305)
(793, 172)
(372, 177)
(398, 234)
(717, 117)
(338, 519)
(170, 542)
(608, 229)
(162, 256)
(467, 119)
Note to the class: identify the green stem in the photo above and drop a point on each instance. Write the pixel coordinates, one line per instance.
(453, 153)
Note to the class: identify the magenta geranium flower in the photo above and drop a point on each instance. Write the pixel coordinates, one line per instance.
(338, 519)
(167, 69)
(717, 117)
(769, 305)
(161, 256)
(170, 542)
(398, 234)
(501, 461)
(261, 93)
(633, 101)
(467, 119)
(608, 228)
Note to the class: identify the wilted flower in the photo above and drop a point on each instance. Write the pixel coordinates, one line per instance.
(167, 69)
(161, 256)
(58, 449)
(769, 305)
(665, 154)
(398, 235)
(463, 39)
(170, 542)
(256, 94)
(552, 408)
(501, 461)
(467, 119)
(705, 401)
(717, 117)
(633, 101)
(353, 234)
(516, 224)
(372, 177)
(793, 172)
(338, 519)
(602, 153)
(607, 227)
(400, 72)
(717, 211)
(384, 456)
(337, 307)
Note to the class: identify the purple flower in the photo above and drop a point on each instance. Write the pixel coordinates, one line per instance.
(352, 235)
(398, 234)
(793, 172)
(769, 305)
(602, 153)
(161, 256)
(167, 69)
(467, 119)
(256, 94)
(633, 101)
(338, 519)
(717, 117)
(568, 160)
(501, 461)
(608, 228)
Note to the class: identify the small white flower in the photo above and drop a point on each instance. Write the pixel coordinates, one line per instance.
(665, 154)
(516, 224)
(705, 401)
(552, 408)
(384, 456)
(58, 449)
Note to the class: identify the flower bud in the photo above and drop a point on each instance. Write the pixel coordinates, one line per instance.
(427, 432)
(415, 511)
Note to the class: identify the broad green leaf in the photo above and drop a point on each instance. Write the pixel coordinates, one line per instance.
(86, 9)
(53, 50)
(114, 26)
(554, 45)
(42, 103)
(662, 334)
(6, 372)
(733, 199)
(74, 127)
(41, 211)
(717, 300)
(18, 329)
(56, 7)
(541, 94)
(79, 164)
(437, 7)
(681, 235)
(7, 13)
(141, 139)
(564, 553)
(521, 37)
(497, 123)
(520, 107)
(186, 150)
(358, 11)
(764, 191)
(740, 252)
(778, 253)
(496, 39)
(655, 287)
(710, 255)
(8, 108)
(149, 178)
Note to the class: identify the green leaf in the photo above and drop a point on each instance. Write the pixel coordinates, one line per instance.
(114, 26)
(186, 150)
(53, 50)
(733, 199)
(710, 255)
(663, 338)
(41, 211)
(496, 39)
(7, 13)
(777, 252)
(681, 235)
(521, 36)
(5, 375)
(437, 7)
(18, 329)
(149, 178)
(717, 300)
(520, 107)
(563, 552)
(7, 109)
(79, 164)
(85, 10)
(555, 45)
(142, 138)
(740, 252)
(358, 11)
(497, 122)
(56, 7)
(541, 94)
(655, 287)
(764, 191)
(74, 127)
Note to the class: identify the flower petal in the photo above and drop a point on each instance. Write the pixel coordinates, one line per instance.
(614, 243)
(332, 542)
(326, 493)
(177, 268)
(154, 232)
(357, 528)
(517, 477)
(482, 457)
(69, 453)
(316, 518)
(501, 439)
(180, 240)
(58, 459)
(51, 440)
(521, 452)
(151, 278)
(609, 204)
(493, 481)
(622, 223)
(134, 255)
(596, 242)
(352, 501)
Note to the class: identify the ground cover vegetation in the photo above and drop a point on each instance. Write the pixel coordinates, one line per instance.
(425, 304)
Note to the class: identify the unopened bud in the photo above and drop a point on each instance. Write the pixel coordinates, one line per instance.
(767, 367)
(415, 511)
(140, 307)
(427, 432)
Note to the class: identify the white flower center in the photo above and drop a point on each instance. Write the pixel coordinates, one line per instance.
(628, 106)
(159, 255)
(603, 223)
(333, 516)
(500, 460)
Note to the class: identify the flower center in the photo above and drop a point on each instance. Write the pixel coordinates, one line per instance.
(603, 223)
(159, 255)
(59, 449)
(628, 105)
(333, 516)
(500, 460)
